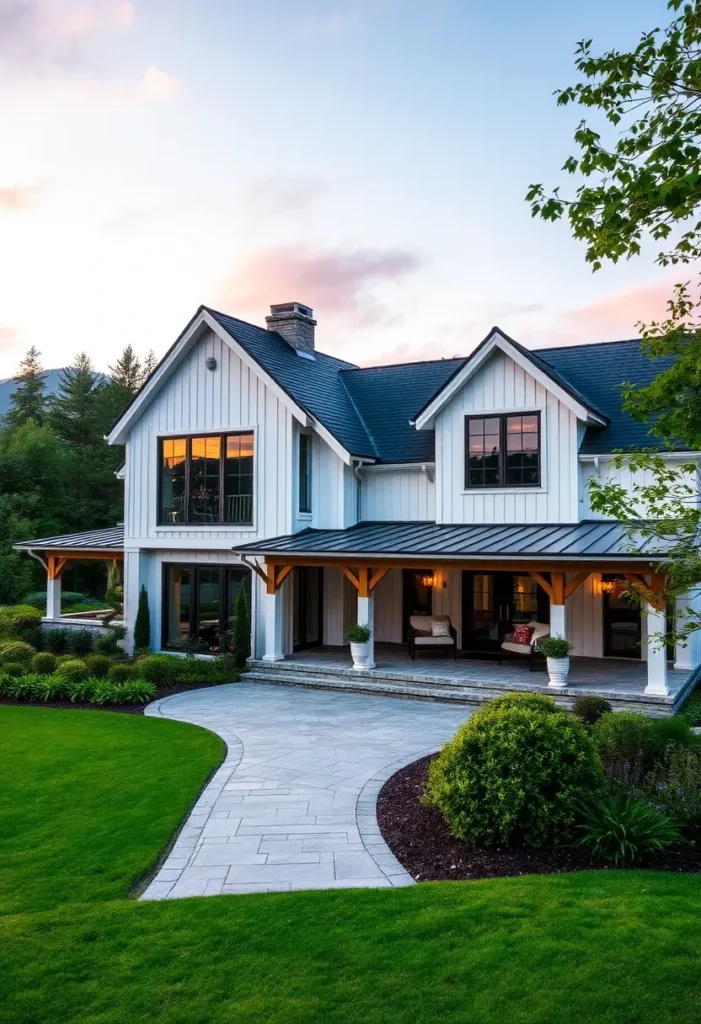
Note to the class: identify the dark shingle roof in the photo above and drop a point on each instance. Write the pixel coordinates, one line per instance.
(588, 539)
(110, 539)
(597, 371)
(388, 396)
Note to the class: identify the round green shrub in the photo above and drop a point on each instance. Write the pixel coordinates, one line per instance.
(663, 731)
(589, 708)
(122, 672)
(23, 616)
(161, 669)
(515, 776)
(44, 663)
(98, 665)
(13, 668)
(80, 641)
(73, 670)
(56, 640)
(534, 701)
(620, 736)
(17, 650)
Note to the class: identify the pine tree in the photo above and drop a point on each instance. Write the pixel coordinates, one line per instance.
(242, 629)
(28, 401)
(127, 371)
(142, 625)
(74, 408)
(149, 365)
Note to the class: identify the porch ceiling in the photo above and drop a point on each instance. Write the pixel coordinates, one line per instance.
(589, 541)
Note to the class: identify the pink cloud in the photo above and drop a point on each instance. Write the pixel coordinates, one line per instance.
(36, 35)
(9, 339)
(20, 197)
(335, 283)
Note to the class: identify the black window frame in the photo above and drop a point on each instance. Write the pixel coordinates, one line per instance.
(224, 611)
(188, 438)
(501, 484)
(304, 507)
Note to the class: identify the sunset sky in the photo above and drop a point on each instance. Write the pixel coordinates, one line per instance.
(367, 157)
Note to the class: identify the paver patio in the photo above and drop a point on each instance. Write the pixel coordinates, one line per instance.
(293, 804)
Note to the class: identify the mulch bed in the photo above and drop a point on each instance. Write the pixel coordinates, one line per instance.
(123, 709)
(420, 839)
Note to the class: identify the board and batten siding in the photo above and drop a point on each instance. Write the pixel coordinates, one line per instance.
(603, 469)
(501, 386)
(397, 495)
(195, 399)
(334, 488)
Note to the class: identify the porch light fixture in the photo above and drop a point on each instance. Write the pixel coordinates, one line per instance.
(425, 579)
(611, 586)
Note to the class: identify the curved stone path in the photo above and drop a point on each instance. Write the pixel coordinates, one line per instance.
(293, 804)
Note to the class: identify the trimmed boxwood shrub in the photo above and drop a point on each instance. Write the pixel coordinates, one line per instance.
(80, 641)
(56, 640)
(74, 670)
(588, 708)
(13, 668)
(44, 663)
(23, 616)
(534, 701)
(515, 776)
(160, 669)
(16, 650)
(121, 672)
(108, 643)
(98, 665)
(620, 736)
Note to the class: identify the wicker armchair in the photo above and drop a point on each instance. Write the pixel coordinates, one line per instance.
(421, 635)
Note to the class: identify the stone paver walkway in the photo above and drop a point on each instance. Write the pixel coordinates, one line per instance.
(293, 805)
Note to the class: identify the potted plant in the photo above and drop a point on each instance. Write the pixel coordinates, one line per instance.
(557, 651)
(359, 636)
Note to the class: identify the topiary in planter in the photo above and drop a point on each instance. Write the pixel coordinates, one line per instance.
(43, 664)
(17, 650)
(358, 633)
(73, 670)
(515, 776)
(555, 647)
(589, 708)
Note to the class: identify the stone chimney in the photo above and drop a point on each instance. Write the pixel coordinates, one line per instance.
(295, 323)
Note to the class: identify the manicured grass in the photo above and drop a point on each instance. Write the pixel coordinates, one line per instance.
(609, 947)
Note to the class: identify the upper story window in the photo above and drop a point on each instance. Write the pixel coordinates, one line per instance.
(206, 479)
(502, 451)
(305, 472)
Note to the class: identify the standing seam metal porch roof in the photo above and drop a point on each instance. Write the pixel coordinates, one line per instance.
(109, 539)
(588, 539)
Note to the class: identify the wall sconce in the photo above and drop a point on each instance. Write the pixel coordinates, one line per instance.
(608, 586)
(425, 579)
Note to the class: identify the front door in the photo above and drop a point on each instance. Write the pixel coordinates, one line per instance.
(622, 621)
(307, 607)
(495, 603)
(417, 598)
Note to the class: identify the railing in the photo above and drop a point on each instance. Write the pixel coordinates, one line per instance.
(238, 508)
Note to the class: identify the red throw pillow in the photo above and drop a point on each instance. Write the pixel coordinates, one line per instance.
(522, 635)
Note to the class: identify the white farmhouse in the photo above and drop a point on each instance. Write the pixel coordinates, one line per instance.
(337, 494)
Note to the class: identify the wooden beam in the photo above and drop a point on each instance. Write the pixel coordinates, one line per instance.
(258, 570)
(653, 594)
(575, 583)
(363, 581)
(282, 575)
(86, 556)
(557, 582)
(540, 579)
(350, 575)
(525, 565)
(56, 567)
(377, 577)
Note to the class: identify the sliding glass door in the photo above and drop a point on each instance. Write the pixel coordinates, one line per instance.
(199, 601)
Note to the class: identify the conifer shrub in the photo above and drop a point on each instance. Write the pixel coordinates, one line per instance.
(142, 625)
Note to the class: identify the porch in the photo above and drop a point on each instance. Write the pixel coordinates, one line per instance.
(621, 681)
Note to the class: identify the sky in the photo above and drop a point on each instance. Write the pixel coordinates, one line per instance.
(368, 158)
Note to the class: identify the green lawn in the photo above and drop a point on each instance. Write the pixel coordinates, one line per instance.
(88, 798)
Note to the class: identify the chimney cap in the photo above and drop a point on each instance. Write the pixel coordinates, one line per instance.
(282, 308)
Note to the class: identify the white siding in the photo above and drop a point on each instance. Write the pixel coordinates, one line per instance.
(388, 608)
(502, 386)
(333, 507)
(585, 618)
(607, 473)
(197, 399)
(399, 494)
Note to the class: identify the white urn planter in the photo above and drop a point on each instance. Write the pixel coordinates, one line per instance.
(360, 654)
(558, 670)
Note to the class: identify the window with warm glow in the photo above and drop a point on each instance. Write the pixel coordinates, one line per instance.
(207, 479)
(502, 451)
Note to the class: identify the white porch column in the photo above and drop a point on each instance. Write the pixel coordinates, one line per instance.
(684, 659)
(366, 618)
(557, 620)
(656, 621)
(272, 616)
(53, 598)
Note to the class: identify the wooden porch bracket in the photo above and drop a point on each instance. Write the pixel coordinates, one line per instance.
(350, 575)
(654, 593)
(558, 590)
(541, 580)
(56, 566)
(378, 576)
(274, 577)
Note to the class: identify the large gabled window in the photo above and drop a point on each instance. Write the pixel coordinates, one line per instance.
(502, 451)
(206, 479)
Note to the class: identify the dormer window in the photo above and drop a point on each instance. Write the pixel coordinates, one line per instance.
(502, 451)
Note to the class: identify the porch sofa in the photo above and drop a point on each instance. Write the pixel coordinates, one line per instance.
(529, 650)
(422, 635)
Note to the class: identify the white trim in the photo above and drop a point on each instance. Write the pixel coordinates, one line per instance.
(397, 467)
(645, 562)
(667, 456)
(497, 340)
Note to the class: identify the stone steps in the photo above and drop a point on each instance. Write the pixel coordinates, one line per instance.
(394, 684)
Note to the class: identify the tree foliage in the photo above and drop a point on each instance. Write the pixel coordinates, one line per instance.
(28, 401)
(646, 179)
